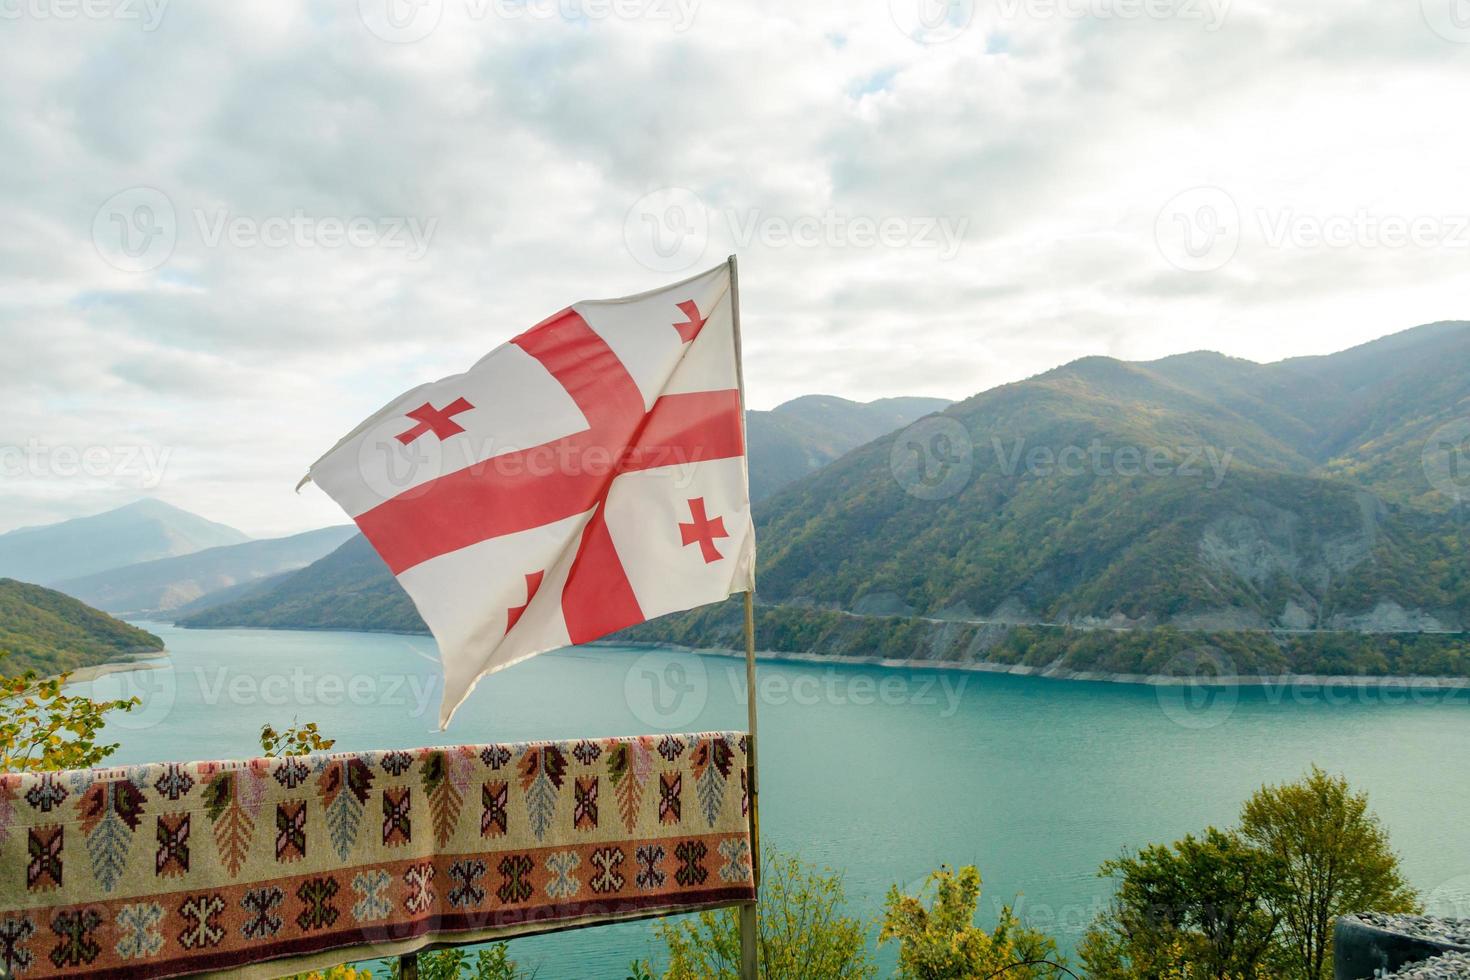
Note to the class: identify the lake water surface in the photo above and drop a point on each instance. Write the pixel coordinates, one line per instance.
(882, 773)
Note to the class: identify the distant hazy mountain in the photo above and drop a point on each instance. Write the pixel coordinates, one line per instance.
(229, 593)
(44, 630)
(805, 434)
(349, 589)
(139, 532)
(157, 587)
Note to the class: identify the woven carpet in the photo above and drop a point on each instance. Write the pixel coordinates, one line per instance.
(266, 866)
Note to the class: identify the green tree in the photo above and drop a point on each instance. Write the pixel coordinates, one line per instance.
(1337, 860)
(42, 728)
(803, 933)
(1200, 907)
(940, 940)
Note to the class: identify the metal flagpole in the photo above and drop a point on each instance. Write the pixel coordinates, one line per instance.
(749, 920)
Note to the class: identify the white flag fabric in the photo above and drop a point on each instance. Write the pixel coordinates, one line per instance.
(585, 476)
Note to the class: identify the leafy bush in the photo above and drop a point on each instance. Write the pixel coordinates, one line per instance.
(490, 963)
(940, 940)
(1259, 901)
(1198, 907)
(803, 933)
(348, 972)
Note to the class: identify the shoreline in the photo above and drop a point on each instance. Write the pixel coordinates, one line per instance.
(1052, 673)
(130, 661)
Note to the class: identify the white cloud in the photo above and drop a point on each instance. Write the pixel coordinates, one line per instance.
(524, 134)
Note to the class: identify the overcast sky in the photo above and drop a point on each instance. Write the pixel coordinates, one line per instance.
(235, 229)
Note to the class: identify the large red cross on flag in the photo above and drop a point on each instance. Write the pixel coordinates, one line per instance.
(585, 476)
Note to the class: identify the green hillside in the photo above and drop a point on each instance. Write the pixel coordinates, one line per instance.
(803, 435)
(349, 589)
(1283, 510)
(1249, 517)
(50, 632)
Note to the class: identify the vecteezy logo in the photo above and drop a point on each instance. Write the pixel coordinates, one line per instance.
(1199, 689)
(932, 21)
(667, 230)
(933, 458)
(1446, 460)
(401, 21)
(1450, 19)
(667, 689)
(392, 465)
(156, 689)
(1199, 230)
(135, 230)
(1451, 899)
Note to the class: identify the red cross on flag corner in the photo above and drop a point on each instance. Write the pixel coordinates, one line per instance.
(585, 476)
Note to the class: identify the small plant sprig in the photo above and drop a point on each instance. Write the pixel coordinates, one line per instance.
(295, 740)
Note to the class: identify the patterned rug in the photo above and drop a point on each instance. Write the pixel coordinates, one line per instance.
(182, 868)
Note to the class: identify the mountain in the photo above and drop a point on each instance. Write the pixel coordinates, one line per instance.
(1197, 495)
(141, 531)
(349, 589)
(230, 593)
(42, 629)
(786, 443)
(1285, 495)
(152, 588)
(1193, 514)
(803, 435)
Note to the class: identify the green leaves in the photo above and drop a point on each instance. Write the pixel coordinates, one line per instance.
(295, 740)
(1204, 905)
(803, 933)
(939, 940)
(43, 729)
(49, 632)
(1250, 903)
(489, 963)
(1336, 858)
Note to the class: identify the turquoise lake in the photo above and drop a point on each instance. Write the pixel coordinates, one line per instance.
(883, 773)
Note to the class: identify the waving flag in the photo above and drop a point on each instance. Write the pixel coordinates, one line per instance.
(588, 475)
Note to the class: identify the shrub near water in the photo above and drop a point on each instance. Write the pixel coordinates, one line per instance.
(940, 940)
(1258, 901)
(1202, 906)
(1337, 861)
(803, 933)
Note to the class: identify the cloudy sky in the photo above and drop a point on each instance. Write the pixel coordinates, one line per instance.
(234, 230)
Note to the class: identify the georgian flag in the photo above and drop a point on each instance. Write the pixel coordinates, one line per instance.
(586, 476)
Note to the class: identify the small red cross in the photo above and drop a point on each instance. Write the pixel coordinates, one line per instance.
(533, 582)
(704, 530)
(439, 421)
(690, 328)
